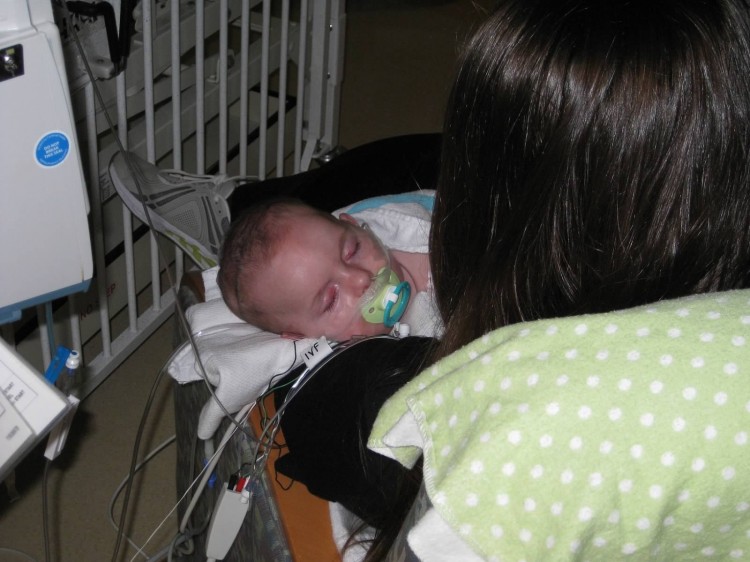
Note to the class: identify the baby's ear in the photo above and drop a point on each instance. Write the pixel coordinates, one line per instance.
(348, 218)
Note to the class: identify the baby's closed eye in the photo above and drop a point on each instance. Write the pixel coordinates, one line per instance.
(330, 298)
(351, 249)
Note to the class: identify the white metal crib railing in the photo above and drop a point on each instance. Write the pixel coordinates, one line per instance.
(236, 87)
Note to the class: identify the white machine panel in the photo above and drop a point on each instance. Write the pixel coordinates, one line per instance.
(45, 247)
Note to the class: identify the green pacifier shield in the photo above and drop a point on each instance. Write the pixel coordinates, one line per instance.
(380, 310)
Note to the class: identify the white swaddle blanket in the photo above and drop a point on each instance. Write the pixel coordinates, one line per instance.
(240, 360)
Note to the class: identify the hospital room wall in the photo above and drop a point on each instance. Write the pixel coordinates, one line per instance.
(398, 63)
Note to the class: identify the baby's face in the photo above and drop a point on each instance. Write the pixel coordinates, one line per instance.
(316, 276)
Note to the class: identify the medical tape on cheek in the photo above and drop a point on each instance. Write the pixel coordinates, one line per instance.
(385, 300)
(376, 287)
(378, 281)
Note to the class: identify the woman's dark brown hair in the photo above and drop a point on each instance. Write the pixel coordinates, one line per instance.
(595, 157)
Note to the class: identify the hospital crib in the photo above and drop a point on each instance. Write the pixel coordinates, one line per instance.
(235, 87)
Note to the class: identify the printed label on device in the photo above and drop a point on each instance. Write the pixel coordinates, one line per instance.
(317, 351)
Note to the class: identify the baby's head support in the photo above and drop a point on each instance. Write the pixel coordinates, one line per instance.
(386, 300)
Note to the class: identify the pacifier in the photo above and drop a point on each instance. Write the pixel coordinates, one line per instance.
(386, 299)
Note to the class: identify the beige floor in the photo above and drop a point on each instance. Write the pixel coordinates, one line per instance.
(399, 60)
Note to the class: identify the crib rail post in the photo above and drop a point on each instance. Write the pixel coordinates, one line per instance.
(326, 71)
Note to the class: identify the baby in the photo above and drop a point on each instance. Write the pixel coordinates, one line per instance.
(288, 268)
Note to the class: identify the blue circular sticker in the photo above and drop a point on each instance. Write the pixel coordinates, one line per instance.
(52, 149)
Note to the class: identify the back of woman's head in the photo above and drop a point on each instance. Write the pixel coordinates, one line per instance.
(595, 157)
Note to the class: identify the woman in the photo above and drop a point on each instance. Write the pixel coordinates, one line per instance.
(595, 158)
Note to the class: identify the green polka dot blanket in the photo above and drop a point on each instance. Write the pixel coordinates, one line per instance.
(600, 437)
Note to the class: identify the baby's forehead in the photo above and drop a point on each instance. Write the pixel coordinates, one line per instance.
(303, 218)
(294, 213)
(299, 227)
(293, 234)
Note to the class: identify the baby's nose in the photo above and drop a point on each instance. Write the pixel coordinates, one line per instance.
(358, 280)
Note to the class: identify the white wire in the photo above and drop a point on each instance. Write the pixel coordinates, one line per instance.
(17, 552)
(160, 239)
(208, 469)
(124, 482)
(211, 464)
(205, 473)
(238, 420)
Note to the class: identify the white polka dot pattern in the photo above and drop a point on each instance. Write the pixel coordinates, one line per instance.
(593, 437)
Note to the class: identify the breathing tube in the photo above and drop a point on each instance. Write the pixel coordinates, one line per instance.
(386, 299)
